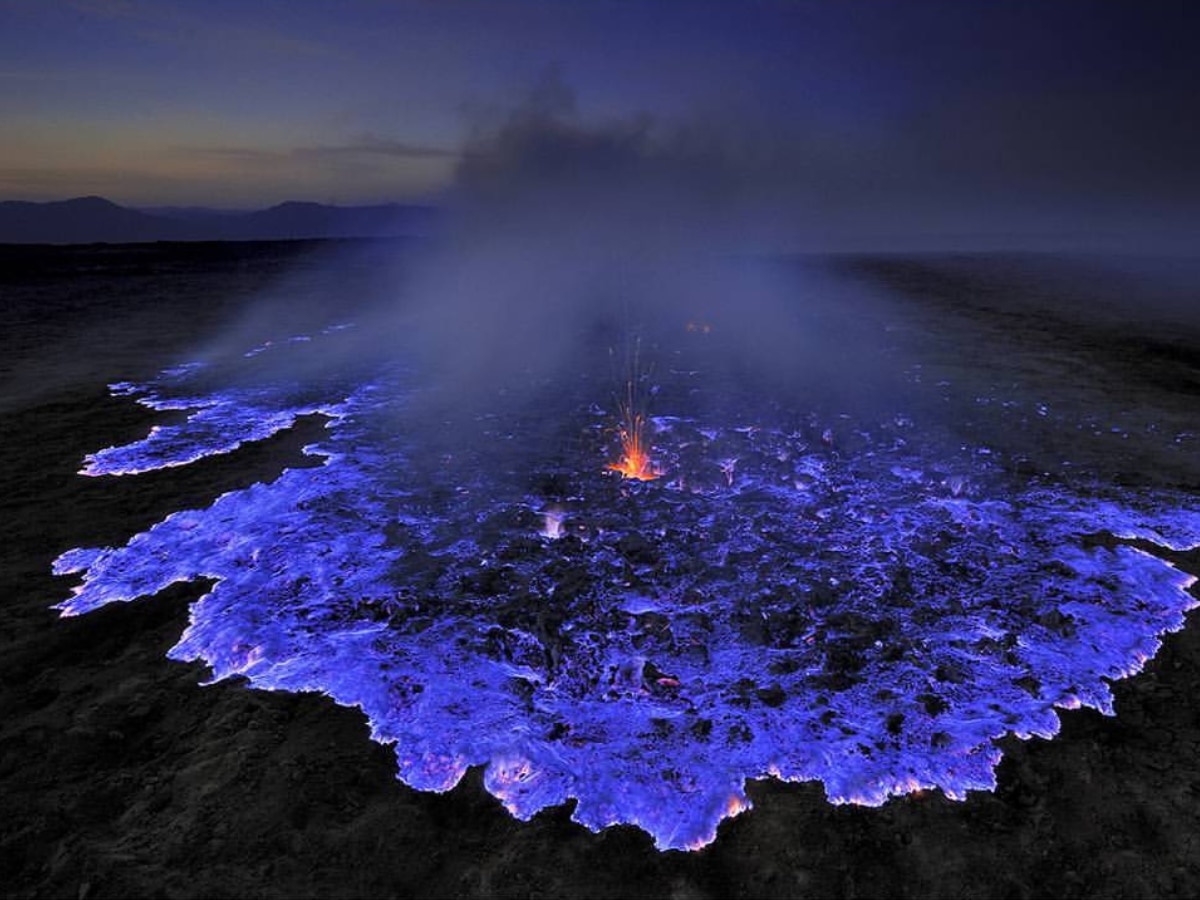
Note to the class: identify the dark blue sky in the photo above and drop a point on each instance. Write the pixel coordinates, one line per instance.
(950, 116)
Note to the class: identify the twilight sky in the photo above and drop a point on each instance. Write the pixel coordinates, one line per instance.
(937, 116)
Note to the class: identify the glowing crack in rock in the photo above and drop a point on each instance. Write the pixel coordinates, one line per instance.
(863, 620)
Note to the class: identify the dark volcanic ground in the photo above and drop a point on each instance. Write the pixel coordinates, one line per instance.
(121, 777)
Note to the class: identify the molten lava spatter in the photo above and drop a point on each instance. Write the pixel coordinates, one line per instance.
(635, 450)
(635, 458)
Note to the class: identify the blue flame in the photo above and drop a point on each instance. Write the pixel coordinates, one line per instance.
(771, 608)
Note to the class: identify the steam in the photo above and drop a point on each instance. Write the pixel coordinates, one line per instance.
(564, 240)
(567, 237)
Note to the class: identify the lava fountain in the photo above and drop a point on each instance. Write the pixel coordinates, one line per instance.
(635, 462)
(635, 453)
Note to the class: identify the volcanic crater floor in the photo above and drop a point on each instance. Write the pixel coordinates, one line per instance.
(799, 613)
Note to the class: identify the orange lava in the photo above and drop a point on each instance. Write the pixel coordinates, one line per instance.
(635, 448)
(635, 457)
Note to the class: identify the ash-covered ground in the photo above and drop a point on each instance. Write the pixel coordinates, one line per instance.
(850, 580)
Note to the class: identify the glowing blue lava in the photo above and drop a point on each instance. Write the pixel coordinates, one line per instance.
(769, 607)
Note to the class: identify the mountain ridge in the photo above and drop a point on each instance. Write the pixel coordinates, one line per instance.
(93, 220)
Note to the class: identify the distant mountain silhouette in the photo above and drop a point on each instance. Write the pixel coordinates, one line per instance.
(86, 220)
(311, 220)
